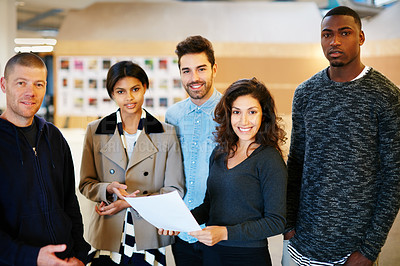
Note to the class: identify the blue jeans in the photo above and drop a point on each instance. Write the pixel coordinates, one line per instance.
(286, 259)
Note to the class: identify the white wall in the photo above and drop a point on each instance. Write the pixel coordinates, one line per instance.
(255, 22)
(8, 29)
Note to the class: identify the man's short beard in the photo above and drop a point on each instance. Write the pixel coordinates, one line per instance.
(337, 64)
(199, 95)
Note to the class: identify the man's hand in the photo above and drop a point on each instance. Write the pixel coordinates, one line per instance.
(74, 261)
(357, 259)
(47, 257)
(289, 235)
(211, 235)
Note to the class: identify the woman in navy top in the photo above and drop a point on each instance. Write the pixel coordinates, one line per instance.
(245, 201)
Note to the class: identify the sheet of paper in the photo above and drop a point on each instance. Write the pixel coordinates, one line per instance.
(166, 211)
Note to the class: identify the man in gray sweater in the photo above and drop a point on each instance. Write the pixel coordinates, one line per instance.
(344, 162)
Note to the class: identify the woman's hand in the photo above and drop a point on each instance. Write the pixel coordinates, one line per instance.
(167, 232)
(121, 193)
(211, 235)
(111, 209)
(115, 185)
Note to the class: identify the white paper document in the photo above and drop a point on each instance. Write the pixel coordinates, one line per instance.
(166, 211)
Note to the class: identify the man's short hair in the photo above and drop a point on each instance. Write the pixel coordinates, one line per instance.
(23, 59)
(344, 11)
(195, 45)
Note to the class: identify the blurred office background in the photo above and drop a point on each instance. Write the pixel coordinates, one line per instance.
(276, 41)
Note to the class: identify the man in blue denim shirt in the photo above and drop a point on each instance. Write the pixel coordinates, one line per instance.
(193, 120)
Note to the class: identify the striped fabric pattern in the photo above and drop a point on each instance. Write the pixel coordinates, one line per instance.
(128, 247)
(304, 261)
(128, 254)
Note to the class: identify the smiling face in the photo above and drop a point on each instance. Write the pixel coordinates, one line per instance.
(246, 118)
(341, 39)
(128, 94)
(25, 88)
(197, 76)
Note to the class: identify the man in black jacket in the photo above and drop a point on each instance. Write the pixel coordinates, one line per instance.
(40, 223)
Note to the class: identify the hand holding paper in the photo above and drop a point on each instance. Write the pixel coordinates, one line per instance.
(211, 235)
(167, 232)
(166, 211)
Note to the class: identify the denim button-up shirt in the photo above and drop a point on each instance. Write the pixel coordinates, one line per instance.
(194, 126)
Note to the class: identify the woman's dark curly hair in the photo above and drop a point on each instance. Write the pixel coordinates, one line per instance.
(270, 132)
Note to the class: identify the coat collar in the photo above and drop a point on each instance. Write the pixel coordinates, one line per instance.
(112, 150)
(109, 123)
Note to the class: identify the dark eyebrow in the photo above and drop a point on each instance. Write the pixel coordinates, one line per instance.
(251, 107)
(187, 68)
(345, 28)
(340, 29)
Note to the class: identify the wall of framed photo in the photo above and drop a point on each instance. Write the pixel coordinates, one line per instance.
(81, 84)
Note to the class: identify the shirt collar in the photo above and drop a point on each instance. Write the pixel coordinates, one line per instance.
(208, 106)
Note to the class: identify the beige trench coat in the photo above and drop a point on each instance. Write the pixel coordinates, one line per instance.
(155, 167)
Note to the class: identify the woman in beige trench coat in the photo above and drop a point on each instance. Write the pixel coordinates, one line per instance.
(133, 152)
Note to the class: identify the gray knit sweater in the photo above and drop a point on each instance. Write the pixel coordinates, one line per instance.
(344, 166)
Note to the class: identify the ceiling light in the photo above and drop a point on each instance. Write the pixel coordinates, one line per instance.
(20, 3)
(34, 49)
(35, 41)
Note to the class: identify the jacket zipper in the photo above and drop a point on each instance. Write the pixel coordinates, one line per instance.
(45, 200)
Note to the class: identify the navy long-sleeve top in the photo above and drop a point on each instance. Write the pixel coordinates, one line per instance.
(249, 199)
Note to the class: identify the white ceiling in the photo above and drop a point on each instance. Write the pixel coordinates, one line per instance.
(43, 18)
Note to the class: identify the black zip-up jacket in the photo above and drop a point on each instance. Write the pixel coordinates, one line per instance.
(38, 204)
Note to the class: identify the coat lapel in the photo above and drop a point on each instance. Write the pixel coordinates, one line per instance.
(144, 148)
(114, 150)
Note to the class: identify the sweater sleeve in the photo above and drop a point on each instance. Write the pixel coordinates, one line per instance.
(273, 179)
(388, 201)
(202, 212)
(16, 253)
(295, 162)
